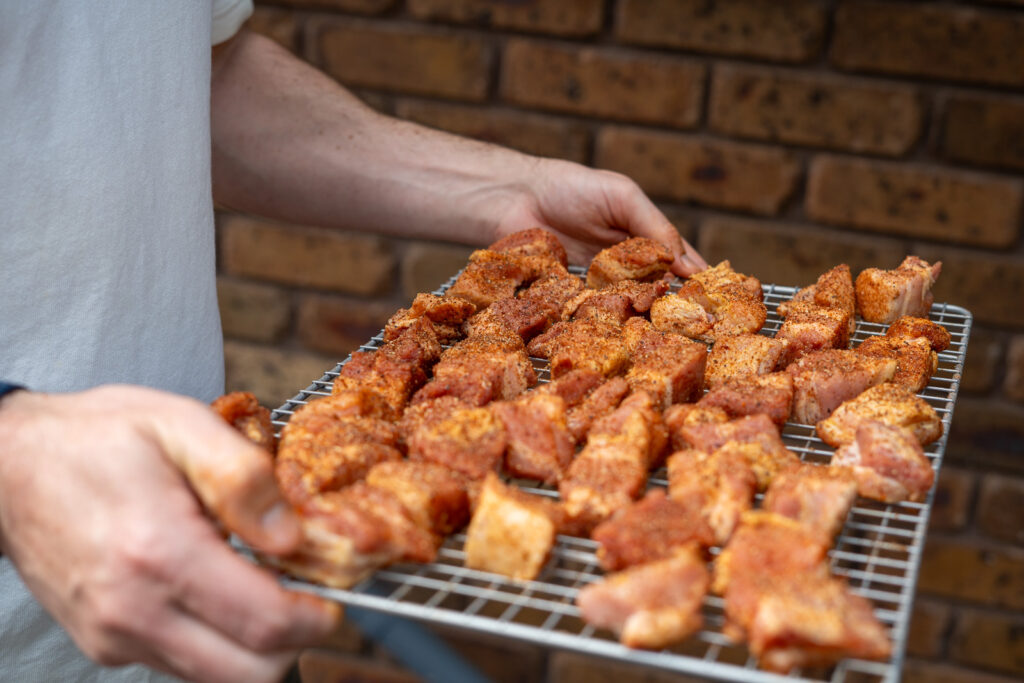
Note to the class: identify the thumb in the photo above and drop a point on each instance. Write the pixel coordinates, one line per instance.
(235, 481)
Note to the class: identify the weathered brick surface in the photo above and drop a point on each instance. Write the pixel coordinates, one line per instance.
(789, 254)
(790, 31)
(989, 640)
(825, 111)
(412, 60)
(1000, 510)
(338, 326)
(426, 266)
(915, 200)
(274, 375)
(684, 222)
(252, 311)
(358, 6)
(990, 285)
(305, 257)
(928, 625)
(988, 433)
(984, 352)
(612, 83)
(749, 178)
(984, 130)
(278, 25)
(537, 134)
(1014, 383)
(918, 671)
(966, 570)
(953, 497)
(921, 39)
(565, 17)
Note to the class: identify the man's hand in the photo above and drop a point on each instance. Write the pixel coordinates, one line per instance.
(99, 512)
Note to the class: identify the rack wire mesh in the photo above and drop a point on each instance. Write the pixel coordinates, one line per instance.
(878, 552)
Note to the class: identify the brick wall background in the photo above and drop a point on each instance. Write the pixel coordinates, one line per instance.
(787, 136)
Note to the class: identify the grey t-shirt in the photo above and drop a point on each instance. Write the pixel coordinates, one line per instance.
(107, 259)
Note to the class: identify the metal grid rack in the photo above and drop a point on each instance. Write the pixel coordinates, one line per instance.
(878, 552)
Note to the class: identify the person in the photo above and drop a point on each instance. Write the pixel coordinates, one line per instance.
(118, 130)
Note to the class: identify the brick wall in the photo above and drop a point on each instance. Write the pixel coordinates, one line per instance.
(786, 136)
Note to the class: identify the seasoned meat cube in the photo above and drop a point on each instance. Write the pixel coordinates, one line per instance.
(669, 367)
(915, 360)
(888, 463)
(888, 403)
(465, 438)
(241, 410)
(651, 529)
(743, 354)
(735, 311)
(447, 314)
(818, 497)
(674, 313)
(909, 327)
(552, 291)
(834, 289)
(729, 306)
(582, 345)
(824, 379)
(539, 443)
(489, 276)
(533, 242)
(615, 303)
(523, 317)
(722, 275)
(573, 387)
(511, 532)
(636, 258)
(885, 295)
(809, 327)
(652, 605)
(770, 394)
(481, 369)
(755, 438)
(433, 495)
(347, 534)
(722, 483)
(688, 414)
(603, 400)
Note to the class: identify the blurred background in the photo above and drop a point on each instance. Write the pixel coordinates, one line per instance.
(786, 136)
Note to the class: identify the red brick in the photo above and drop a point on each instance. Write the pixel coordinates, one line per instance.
(252, 311)
(921, 39)
(915, 200)
(597, 81)
(953, 497)
(990, 285)
(917, 671)
(786, 253)
(428, 265)
(272, 374)
(406, 59)
(808, 109)
(987, 433)
(984, 130)
(787, 31)
(537, 134)
(565, 17)
(357, 6)
(319, 666)
(928, 625)
(989, 640)
(682, 220)
(749, 178)
(338, 326)
(278, 25)
(966, 570)
(984, 353)
(306, 257)
(1014, 384)
(1000, 509)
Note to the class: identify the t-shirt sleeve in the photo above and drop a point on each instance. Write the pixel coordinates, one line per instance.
(228, 17)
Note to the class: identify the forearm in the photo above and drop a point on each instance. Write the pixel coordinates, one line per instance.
(290, 143)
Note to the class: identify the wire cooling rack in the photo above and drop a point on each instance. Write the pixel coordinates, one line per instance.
(878, 552)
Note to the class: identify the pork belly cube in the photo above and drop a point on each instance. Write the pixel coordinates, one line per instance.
(601, 401)
(824, 379)
(533, 242)
(348, 534)
(817, 496)
(710, 312)
(511, 532)
(809, 327)
(447, 314)
(669, 367)
(651, 529)
(582, 345)
(722, 275)
(241, 410)
(770, 394)
(885, 295)
(909, 327)
(489, 276)
(915, 360)
(743, 354)
(652, 605)
(888, 463)
(721, 483)
(616, 302)
(434, 495)
(810, 621)
(320, 451)
(481, 369)
(636, 258)
(539, 443)
(687, 414)
(833, 289)
(465, 438)
(573, 387)
(755, 438)
(552, 291)
(673, 313)
(889, 403)
(736, 311)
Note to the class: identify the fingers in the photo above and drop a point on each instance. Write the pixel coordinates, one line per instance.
(689, 262)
